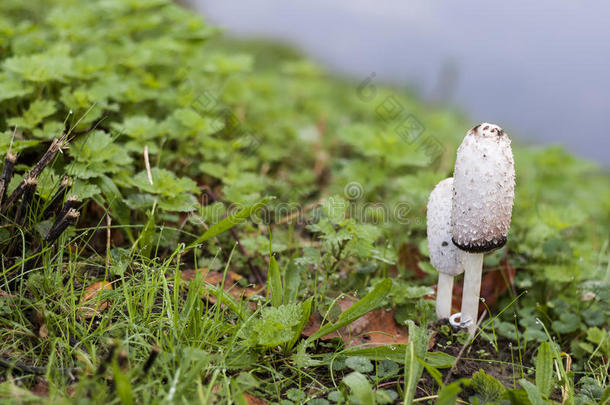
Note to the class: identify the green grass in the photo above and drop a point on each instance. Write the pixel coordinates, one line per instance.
(229, 125)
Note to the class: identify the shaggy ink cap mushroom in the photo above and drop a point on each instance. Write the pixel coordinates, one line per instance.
(445, 257)
(483, 192)
(484, 188)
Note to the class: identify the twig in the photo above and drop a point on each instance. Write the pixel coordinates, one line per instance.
(147, 165)
(154, 352)
(44, 161)
(108, 235)
(101, 368)
(28, 195)
(253, 268)
(61, 225)
(64, 186)
(71, 203)
(7, 174)
(15, 365)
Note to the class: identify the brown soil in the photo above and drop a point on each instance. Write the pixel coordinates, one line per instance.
(480, 355)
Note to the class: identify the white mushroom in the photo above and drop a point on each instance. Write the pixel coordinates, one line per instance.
(484, 188)
(444, 255)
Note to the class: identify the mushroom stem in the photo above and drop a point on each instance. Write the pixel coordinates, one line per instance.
(473, 267)
(444, 293)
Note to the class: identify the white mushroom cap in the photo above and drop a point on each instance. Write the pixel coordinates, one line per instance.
(444, 256)
(484, 188)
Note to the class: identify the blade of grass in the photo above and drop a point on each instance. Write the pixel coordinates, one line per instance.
(368, 303)
(230, 221)
(274, 282)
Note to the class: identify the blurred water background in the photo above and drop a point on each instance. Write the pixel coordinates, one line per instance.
(541, 69)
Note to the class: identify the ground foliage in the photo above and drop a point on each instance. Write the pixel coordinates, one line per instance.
(225, 125)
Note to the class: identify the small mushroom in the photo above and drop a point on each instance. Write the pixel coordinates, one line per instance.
(483, 192)
(444, 255)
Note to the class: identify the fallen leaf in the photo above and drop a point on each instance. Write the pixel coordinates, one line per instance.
(89, 307)
(252, 400)
(41, 388)
(409, 258)
(43, 331)
(375, 328)
(70, 391)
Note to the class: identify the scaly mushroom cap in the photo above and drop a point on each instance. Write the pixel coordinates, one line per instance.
(444, 256)
(483, 190)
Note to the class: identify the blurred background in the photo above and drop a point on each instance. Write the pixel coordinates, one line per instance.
(539, 69)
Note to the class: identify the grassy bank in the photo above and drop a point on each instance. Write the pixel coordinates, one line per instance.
(256, 229)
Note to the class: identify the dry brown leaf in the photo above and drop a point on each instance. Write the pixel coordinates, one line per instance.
(71, 391)
(231, 283)
(375, 328)
(89, 299)
(43, 331)
(252, 400)
(409, 258)
(41, 388)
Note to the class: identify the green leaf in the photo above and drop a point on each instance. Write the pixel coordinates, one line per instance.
(387, 368)
(416, 350)
(544, 369)
(275, 326)
(296, 395)
(359, 363)
(274, 282)
(532, 392)
(96, 154)
(433, 371)
(383, 397)
(83, 190)
(180, 203)
(440, 359)
(487, 388)
(230, 221)
(38, 110)
(40, 67)
(396, 353)
(12, 89)
(123, 385)
(567, 323)
(335, 208)
(517, 397)
(113, 196)
(601, 338)
(18, 146)
(140, 127)
(292, 281)
(360, 387)
(606, 397)
(164, 183)
(368, 303)
(447, 395)
(305, 314)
